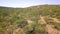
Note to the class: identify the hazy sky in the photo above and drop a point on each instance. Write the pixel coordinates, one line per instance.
(26, 3)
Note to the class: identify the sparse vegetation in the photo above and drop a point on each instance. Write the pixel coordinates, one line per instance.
(14, 18)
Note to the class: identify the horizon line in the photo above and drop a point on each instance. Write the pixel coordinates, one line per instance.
(27, 6)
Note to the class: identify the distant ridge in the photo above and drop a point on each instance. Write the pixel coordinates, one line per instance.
(45, 5)
(5, 7)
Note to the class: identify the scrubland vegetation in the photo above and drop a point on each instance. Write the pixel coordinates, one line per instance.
(30, 20)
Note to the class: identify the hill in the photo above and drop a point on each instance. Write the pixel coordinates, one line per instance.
(41, 19)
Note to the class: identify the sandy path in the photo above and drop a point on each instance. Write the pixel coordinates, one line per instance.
(29, 21)
(42, 20)
(51, 30)
(14, 32)
(56, 20)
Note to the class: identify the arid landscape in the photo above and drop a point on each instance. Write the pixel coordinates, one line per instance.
(39, 19)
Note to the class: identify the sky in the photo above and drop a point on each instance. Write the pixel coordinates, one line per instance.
(26, 3)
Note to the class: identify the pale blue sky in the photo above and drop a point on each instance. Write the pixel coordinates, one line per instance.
(26, 3)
